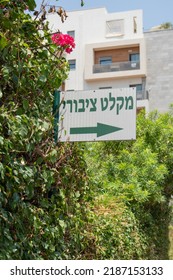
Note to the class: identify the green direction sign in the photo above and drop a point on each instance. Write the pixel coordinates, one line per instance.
(101, 129)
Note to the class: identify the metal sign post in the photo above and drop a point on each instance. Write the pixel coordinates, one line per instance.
(56, 104)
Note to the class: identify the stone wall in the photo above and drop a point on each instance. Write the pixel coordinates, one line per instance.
(159, 81)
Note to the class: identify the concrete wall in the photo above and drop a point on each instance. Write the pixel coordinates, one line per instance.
(159, 82)
(90, 25)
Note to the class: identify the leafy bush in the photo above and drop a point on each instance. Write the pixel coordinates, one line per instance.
(43, 189)
(137, 177)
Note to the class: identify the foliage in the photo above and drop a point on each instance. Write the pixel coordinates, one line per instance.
(166, 25)
(135, 180)
(116, 231)
(171, 242)
(43, 189)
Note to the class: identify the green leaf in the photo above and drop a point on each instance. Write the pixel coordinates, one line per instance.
(82, 3)
(2, 170)
(1, 140)
(31, 4)
(62, 224)
(39, 160)
(3, 41)
(43, 79)
(6, 72)
(4, 1)
(16, 197)
(25, 104)
(77, 194)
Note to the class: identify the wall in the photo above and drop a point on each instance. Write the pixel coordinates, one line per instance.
(159, 53)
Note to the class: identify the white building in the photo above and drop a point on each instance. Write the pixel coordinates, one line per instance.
(110, 51)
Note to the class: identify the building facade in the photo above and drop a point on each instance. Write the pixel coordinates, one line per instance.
(112, 51)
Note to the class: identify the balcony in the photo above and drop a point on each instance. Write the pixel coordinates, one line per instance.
(115, 60)
(116, 66)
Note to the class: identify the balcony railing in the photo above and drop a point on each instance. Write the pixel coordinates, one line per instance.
(116, 66)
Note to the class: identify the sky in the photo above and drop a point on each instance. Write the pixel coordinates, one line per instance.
(155, 12)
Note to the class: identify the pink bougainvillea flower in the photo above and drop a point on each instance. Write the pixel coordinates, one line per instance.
(69, 50)
(65, 41)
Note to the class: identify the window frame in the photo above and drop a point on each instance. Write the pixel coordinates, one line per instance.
(71, 33)
(137, 87)
(115, 28)
(105, 60)
(72, 65)
(134, 54)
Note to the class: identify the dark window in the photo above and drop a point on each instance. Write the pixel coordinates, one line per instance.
(138, 87)
(105, 87)
(71, 33)
(72, 64)
(139, 91)
(105, 60)
(135, 24)
(134, 57)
